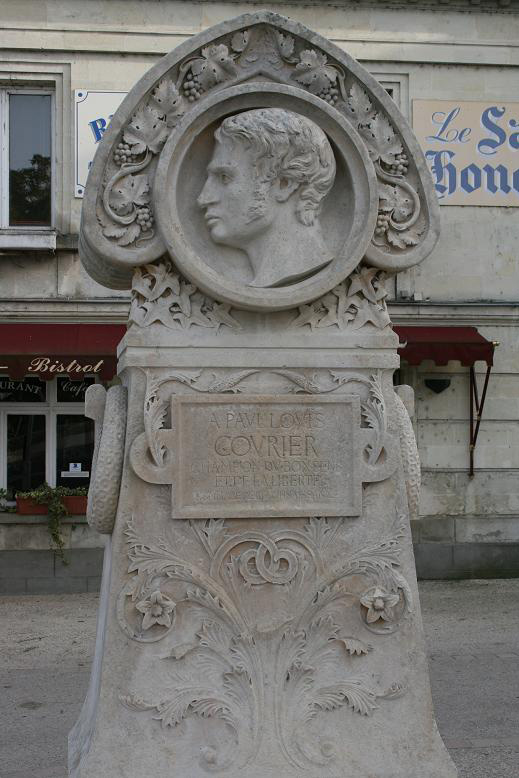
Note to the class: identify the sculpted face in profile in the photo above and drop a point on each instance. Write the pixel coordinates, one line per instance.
(270, 172)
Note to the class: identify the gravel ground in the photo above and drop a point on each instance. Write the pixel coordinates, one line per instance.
(472, 630)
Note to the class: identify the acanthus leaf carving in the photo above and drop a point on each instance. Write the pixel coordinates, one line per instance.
(232, 648)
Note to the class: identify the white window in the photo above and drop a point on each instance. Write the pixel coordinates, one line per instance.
(44, 435)
(27, 172)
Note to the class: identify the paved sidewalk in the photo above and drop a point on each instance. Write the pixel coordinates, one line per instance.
(472, 629)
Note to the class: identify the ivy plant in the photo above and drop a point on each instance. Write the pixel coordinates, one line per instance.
(52, 497)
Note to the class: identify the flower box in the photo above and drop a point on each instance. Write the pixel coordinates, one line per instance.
(75, 504)
(26, 506)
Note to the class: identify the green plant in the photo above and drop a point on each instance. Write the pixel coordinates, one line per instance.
(52, 497)
(5, 505)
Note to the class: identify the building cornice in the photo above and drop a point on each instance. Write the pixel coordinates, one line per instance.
(463, 6)
(115, 310)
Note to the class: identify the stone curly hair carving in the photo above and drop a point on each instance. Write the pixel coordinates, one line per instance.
(286, 145)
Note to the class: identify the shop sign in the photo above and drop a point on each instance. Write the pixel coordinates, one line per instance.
(69, 390)
(49, 365)
(27, 390)
(94, 110)
(472, 149)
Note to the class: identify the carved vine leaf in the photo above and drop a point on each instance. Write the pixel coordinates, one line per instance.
(153, 281)
(215, 65)
(128, 197)
(381, 139)
(285, 45)
(365, 281)
(402, 240)
(146, 131)
(265, 46)
(124, 211)
(125, 235)
(388, 197)
(160, 294)
(358, 300)
(359, 105)
(129, 191)
(167, 102)
(240, 41)
(313, 71)
(399, 214)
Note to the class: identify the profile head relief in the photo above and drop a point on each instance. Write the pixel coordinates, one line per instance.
(270, 173)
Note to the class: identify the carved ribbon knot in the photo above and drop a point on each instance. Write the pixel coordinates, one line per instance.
(268, 564)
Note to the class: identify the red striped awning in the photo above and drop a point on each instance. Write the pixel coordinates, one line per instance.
(49, 349)
(46, 350)
(444, 344)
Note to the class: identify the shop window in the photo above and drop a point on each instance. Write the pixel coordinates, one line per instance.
(26, 121)
(74, 449)
(26, 439)
(44, 435)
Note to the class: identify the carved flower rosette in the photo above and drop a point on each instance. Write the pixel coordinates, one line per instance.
(257, 631)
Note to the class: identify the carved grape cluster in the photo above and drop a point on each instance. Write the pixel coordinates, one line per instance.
(330, 94)
(192, 87)
(400, 165)
(123, 154)
(144, 218)
(383, 220)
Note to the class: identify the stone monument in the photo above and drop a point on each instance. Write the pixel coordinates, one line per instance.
(255, 471)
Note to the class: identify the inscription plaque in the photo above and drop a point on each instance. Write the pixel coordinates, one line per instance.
(266, 456)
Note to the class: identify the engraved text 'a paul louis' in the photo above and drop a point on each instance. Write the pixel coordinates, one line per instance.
(259, 452)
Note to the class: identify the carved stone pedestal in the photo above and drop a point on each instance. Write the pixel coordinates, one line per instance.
(259, 646)
(259, 614)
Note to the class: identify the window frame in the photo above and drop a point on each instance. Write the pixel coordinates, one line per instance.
(51, 409)
(5, 92)
(36, 73)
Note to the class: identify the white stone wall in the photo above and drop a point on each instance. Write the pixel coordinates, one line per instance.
(425, 50)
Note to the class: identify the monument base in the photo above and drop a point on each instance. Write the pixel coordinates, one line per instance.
(285, 639)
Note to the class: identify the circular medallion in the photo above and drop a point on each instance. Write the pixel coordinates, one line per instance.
(265, 197)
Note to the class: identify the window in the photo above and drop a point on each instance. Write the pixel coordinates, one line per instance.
(44, 435)
(26, 164)
(395, 82)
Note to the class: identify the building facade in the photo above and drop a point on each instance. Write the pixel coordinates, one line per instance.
(452, 67)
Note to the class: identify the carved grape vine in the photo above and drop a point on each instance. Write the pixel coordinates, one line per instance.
(124, 211)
